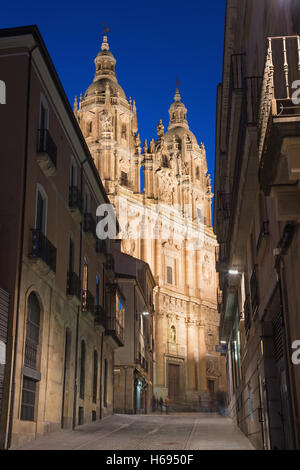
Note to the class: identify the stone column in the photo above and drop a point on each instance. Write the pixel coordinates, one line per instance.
(202, 356)
(159, 350)
(190, 356)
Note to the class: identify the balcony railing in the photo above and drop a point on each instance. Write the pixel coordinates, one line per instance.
(88, 302)
(46, 145)
(254, 291)
(73, 285)
(89, 224)
(75, 198)
(114, 327)
(282, 68)
(42, 248)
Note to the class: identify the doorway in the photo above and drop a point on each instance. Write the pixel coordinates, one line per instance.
(173, 381)
(65, 418)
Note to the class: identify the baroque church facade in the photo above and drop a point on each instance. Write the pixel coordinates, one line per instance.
(168, 225)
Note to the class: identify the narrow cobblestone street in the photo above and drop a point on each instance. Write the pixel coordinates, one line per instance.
(182, 431)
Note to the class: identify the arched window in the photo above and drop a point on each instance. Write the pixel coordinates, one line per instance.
(30, 358)
(197, 173)
(82, 369)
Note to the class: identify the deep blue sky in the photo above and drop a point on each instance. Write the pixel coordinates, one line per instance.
(154, 42)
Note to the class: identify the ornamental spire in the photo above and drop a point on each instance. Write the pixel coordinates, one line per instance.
(105, 61)
(177, 111)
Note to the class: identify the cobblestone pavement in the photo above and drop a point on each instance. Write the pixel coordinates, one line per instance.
(182, 431)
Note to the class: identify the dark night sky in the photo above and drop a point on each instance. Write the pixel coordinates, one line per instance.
(154, 42)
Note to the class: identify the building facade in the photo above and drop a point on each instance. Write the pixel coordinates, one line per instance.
(61, 310)
(177, 197)
(133, 373)
(256, 218)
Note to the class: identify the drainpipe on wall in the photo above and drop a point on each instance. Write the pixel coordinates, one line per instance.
(15, 346)
(101, 375)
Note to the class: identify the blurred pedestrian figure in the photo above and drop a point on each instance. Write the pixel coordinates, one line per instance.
(161, 403)
(153, 403)
(167, 403)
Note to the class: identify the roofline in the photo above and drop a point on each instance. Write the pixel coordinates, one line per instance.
(34, 31)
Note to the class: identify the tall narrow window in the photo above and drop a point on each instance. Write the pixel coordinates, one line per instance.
(95, 377)
(41, 210)
(71, 256)
(87, 202)
(97, 291)
(82, 370)
(32, 331)
(73, 173)
(44, 113)
(30, 359)
(105, 382)
(197, 173)
(124, 178)
(169, 275)
(85, 284)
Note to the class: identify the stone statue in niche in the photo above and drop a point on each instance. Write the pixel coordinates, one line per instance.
(206, 268)
(172, 334)
(212, 366)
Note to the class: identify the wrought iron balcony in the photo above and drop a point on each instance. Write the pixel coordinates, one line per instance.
(73, 285)
(114, 328)
(89, 224)
(42, 249)
(282, 68)
(47, 150)
(88, 302)
(254, 291)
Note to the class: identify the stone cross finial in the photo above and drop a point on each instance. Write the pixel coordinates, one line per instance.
(105, 45)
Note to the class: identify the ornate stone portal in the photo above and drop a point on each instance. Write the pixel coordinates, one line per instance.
(180, 244)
